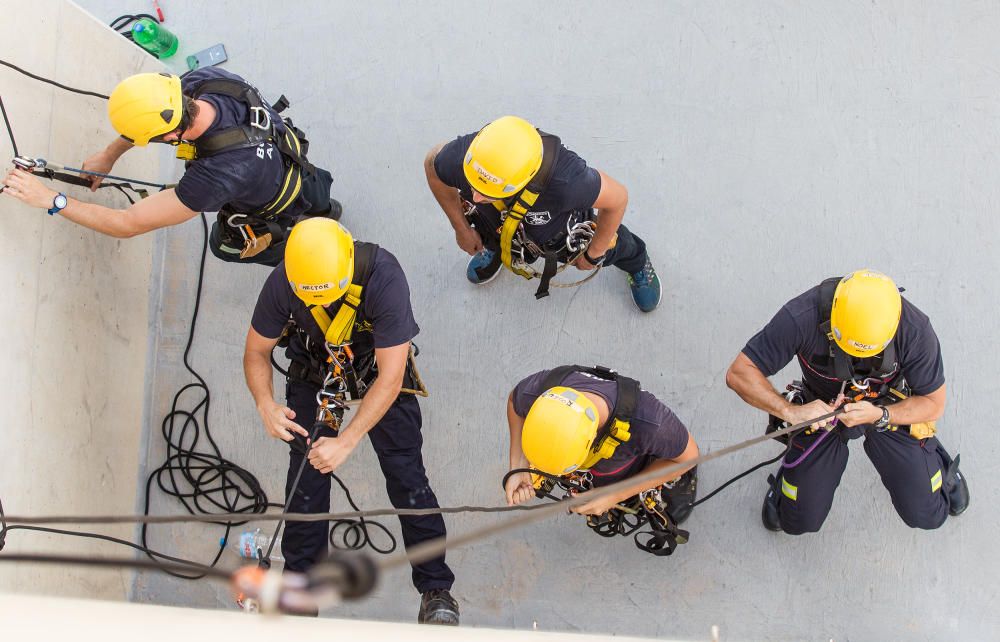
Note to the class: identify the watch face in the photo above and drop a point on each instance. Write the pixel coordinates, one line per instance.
(59, 201)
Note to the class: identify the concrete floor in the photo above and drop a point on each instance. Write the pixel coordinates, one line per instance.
(765, 146)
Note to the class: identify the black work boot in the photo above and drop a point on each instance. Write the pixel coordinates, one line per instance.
(955, 486)
(769, 513)
(680, 494)
(437, 606)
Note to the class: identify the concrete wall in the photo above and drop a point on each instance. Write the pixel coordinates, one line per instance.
(765, 146)
(75, 311)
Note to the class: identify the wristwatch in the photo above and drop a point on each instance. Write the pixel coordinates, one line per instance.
(58, 203)
(884, 420)
(599, 260)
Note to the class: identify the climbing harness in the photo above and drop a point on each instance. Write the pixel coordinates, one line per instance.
(579, 234)
(517, 251)
(332, 364)
(648, 508)
(250, 233)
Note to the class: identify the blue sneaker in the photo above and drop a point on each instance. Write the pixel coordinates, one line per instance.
(483, 267)
(645, 287)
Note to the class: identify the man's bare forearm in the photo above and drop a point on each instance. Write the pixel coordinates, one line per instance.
(608, 221)
(374, 405)
(259, 376)
(447, 197)
(101, 219)
(117, 147)
(916, 409)
(746, 380)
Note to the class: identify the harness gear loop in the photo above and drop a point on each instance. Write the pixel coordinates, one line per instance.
(648, 508)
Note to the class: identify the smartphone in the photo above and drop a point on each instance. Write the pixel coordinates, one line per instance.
(207, 57)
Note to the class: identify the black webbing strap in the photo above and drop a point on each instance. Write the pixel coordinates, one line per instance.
(550, 156)
(882, 364)
(660, 540)
(628, 392)
(538, 184)
(548, 271)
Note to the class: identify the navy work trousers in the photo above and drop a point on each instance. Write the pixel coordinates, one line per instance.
(397, 441)
(628, 254)
(912, 471)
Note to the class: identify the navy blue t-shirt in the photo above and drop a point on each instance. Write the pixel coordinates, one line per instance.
(246, 179)
(794, 332)
(384, 319)
(656, 431)
(573, 186)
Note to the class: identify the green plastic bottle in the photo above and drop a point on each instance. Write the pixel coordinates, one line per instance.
(154, 38)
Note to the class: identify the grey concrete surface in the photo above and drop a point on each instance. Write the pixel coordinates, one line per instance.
(75, 304)
(765, 146)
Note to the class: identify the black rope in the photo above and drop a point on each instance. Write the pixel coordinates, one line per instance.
(353, 534)
(265, 560)
(3, 527)
(203, 482)
(742, 475)
(52, 82)
(10, 130)
(117, 562)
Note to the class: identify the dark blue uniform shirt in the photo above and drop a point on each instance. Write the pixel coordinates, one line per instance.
(656, 431)
(794, 333)
(245, 179)
(573, 186)
(384, 319)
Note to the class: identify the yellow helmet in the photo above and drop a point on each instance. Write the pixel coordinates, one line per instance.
(146, 105)
(865, 313)
(319, 260)
(559, 431)
(503, 157)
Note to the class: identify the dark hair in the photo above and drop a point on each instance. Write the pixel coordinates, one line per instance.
(189, 114)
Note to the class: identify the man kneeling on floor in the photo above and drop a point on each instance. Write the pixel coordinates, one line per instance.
(584, 428)
(346, 305)
(857, 341)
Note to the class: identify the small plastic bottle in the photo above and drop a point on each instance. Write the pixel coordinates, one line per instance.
(154, 38)
(252, 545)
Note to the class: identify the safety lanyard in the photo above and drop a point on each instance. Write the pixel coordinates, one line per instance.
(515, 215)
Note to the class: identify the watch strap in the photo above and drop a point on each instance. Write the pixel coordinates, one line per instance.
(596, 260)
(55, 207)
